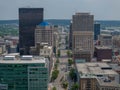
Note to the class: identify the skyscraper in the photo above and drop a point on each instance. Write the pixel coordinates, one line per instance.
(70, 37)
(83, 32)
(28, 19)
(44, 33)
(96, 31)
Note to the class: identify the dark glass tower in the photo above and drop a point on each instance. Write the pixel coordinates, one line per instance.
(96, 31)
(28, 19)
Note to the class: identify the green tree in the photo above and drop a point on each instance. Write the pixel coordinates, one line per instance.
(54, 88)
(55, 66)
(65, 84)
(54, 74)
(75, 86)
(72, 74)
(70, 62)
(69, 53)
(57, 61)
(58, 54)
(66, 39)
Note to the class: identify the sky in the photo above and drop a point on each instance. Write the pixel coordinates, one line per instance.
(63, 9)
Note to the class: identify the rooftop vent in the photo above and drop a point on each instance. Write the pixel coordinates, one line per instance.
(27, 57)
(9, 58)
(107, 80)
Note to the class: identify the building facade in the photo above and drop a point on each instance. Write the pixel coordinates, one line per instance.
(70, 37)
(28, 19)
(96, 30)
(103, 53)
(88, 73)
(26, 73)
(44, 50)
(83, 32)
(55, 41)
(106, 84)
(84, 55)
(87, 84)
(44, 33)
(106, 40)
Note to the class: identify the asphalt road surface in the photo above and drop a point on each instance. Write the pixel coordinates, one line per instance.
(63, 60)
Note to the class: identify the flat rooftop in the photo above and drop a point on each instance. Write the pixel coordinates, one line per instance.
(26, 60)
(82, 13)
(107, 83)
(103, 47)
(92, 69)
(105, 35)
(11, 54)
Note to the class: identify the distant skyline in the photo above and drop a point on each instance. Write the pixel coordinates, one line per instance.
(63, 9)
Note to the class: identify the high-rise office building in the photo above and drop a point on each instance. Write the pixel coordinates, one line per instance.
(28, 19)
(44, 33)
(96, 31)
(83, 32)
(25, 73)
(70, 37)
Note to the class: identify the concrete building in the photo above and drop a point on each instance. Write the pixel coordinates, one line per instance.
(82, 55)
(47, 51)
(106, 84)
(103, 53)
(111, 31)
(87, 84)
(116, 42)
(55, 41)
(105, 40)
(12, 49)
(2, 49)
(70, 37)
(14, 39)
(87, 74)
(83, 41)
(2, 46)
(35, 50)
(44, 33)
(116, 66)
(25, 73)
(28, 19)
(44, 50)
(83, 32)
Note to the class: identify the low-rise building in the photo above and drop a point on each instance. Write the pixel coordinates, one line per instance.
(105, 40)
(103, 53)
(2, 49)
(106, 84)
(55, 41)
(43, 49)
(87, 74)
(47, 51)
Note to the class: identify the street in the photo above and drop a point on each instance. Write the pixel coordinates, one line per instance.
(63, 60)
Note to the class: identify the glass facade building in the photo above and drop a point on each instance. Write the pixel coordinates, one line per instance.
(28, 19)
(96, 31)
(24, 75)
